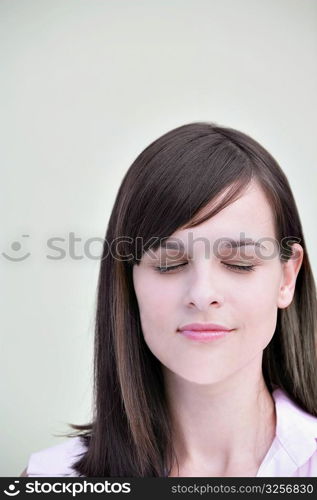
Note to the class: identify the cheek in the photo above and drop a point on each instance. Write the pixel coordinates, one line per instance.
(259, 307)
(155, 316)
(260, 292)
(157, 304)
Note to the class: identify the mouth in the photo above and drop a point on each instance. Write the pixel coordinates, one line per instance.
(205, 332)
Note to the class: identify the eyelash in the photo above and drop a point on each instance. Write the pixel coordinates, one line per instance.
(163, 270)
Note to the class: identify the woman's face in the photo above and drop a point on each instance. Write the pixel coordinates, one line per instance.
(206, 289)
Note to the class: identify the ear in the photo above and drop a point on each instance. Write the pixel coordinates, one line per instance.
(290, 270)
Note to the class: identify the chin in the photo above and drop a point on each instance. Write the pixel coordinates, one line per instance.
(200, 378)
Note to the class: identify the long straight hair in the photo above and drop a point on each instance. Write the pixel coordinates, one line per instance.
(164, 189)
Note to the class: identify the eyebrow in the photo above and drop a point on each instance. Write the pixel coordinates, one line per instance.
(243, 242)
(227, 242)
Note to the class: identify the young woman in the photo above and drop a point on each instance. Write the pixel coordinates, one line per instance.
(205, 344)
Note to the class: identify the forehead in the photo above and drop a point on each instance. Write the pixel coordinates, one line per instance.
(250, 214)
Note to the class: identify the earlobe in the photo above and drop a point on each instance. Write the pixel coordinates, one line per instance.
(290, 270)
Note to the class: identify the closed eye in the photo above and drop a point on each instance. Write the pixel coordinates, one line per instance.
(234, 267)
(168, 269)
(240, 268)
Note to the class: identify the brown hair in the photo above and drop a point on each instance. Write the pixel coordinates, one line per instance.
(164, 189)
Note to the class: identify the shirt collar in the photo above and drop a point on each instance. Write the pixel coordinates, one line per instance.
(295, 439)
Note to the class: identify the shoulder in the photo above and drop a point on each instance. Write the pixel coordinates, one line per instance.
(295, 449)
(291, 417)
(56, 460)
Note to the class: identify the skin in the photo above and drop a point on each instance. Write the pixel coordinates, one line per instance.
(223, 416)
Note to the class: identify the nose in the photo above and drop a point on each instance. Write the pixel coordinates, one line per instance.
(204, 291)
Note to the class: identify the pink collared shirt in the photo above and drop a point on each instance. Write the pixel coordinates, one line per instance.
(293, 452)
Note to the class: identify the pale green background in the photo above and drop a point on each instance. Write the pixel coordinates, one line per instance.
(85, 86)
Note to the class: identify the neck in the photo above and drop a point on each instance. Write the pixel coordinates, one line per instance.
(223, 426)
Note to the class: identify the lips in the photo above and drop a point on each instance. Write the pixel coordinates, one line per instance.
(205, 332)
(204, 327)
